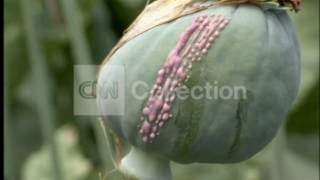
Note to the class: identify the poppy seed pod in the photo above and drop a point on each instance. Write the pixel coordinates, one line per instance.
(221, 82)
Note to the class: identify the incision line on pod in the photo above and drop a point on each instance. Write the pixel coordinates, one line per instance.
(193, 44)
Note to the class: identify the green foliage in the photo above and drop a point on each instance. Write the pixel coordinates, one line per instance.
(27, 152)
(75, 166)
(305, 117)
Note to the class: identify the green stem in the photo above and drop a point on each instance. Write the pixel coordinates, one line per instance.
(278, 152)
(82, 56)
(145, 166)
(76, 31)
(42, 85)
(10, 166)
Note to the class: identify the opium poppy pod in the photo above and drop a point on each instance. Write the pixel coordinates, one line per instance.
(219, 83)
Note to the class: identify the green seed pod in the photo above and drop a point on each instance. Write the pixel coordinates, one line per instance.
(239, 65)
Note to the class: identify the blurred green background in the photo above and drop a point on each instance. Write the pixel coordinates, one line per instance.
(44, 39)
